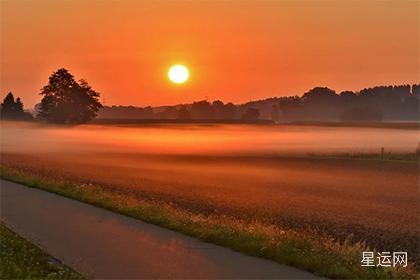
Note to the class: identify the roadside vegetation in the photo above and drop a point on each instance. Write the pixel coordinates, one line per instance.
(22, 260)
(310, 250)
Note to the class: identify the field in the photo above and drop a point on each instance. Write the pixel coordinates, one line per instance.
(312, 182)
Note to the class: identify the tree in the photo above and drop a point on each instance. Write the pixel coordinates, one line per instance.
(66, 101)
(251, 114)
(348, 96)
(320, 96)
(8, 106)
(13, 110)
(275, 113)
(217, 108)
(415, 91)
(365, 113)
(229, 111)
(201, 110)
(184, 113)
(19, 105)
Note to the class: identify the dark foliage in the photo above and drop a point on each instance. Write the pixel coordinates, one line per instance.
(361, 114)
(385, 103)
(66, 101)
(321, 96)
(369, 104)
(184, 113)
(126, 112)
(12, 109)
(251, 114)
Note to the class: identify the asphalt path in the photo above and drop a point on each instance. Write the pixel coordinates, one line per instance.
(102, 244)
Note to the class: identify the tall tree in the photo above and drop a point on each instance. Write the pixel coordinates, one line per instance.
(19, 105)
(66, 101)
(8, 106)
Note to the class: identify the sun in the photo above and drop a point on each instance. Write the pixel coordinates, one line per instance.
(178, 74)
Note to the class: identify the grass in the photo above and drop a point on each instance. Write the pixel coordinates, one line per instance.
(22, 260)
(309, 250)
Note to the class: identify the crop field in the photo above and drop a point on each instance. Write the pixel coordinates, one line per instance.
(260, 174)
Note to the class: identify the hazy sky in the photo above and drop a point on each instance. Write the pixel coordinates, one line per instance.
(236, 50)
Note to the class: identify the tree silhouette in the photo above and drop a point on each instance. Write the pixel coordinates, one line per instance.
(348, 96)
(361, 114)
(394, 102)
(251, 114)
(19, 105)
(8, 106)
(201, 110)
(184, 113)
(416, 91)
(275, 113)
(320, 96)
(217, 108)
(66, 101)
(13, 110)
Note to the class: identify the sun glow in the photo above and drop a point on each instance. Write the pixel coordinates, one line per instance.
(178, 74)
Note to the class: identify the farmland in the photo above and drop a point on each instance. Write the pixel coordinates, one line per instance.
(282, 177)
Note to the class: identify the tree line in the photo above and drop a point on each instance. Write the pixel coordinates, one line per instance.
(67, 101)
(64, 101)
(12, 109)
(400, 102)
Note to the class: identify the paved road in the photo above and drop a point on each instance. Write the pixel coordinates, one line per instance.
(103, 244)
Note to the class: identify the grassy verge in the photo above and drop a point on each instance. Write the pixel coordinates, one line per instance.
(307, 250)
(22, 260)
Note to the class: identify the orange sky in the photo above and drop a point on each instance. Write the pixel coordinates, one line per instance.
(236, 50)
